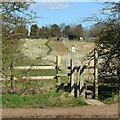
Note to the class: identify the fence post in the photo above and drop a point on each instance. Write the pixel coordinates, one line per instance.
(95, 74)
(58, 63)
(78, 81)
(72, 77)
(81, 83)
(11, 76)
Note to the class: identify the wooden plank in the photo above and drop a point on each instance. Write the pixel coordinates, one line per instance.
(33, 67)
(32, 78)
(62, 75)
(38, 77)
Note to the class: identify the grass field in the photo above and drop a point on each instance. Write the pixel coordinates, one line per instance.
(49, 99)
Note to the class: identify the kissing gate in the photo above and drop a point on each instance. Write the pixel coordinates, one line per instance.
(79, 75)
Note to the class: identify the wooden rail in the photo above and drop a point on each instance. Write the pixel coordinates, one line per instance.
(38, 77)
(30, 77)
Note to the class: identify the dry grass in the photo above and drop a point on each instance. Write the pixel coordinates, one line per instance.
(34, 48)
(82, 48)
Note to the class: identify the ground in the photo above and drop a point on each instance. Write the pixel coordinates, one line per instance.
(91, 111)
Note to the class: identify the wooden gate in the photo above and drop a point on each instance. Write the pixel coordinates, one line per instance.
(76, 75)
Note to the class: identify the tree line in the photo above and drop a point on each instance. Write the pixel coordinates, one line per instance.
(55, 30)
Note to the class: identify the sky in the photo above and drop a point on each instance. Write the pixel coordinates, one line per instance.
(70, 13)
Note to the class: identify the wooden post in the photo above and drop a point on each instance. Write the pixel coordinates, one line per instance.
(72, 78)
(78, 81)
(11, 76)
(95, 74)
(81, 86)
(76, 92)
(58, 63)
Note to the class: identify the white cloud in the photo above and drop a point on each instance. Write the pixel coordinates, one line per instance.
(53, 6)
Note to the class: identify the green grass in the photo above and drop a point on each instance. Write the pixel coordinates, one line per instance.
(44, 72)
(34, 62)
(49, 99)
(0, 101)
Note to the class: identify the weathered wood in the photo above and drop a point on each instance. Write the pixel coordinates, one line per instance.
(78, 82)
(31, 78)
(58, 61)
(58, 65)
(81, 86)
(72, 78)
(37, 77)
(95, 96)
(33, 67)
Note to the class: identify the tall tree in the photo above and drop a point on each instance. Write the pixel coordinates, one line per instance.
(34, 32)
(55, 30)
(78, 31)
(67, 30)
(46, 32)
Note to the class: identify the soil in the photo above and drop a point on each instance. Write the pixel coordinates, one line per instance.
(90, 111)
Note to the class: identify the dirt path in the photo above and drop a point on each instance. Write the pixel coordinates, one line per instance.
(59, 48)
(94, 102)
(100, 111)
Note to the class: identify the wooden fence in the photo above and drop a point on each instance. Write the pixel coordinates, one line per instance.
(36, 68)
(76, 73)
